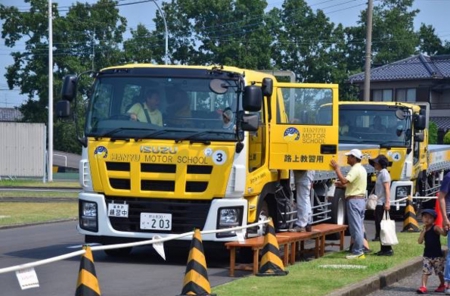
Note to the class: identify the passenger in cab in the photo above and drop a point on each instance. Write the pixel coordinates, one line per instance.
(228, 119)
(377, 125)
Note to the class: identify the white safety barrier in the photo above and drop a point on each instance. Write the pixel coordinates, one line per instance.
(119, 246)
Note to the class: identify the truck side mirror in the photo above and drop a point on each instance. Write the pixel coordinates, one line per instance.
(267, 87)
(419, 137)
(69, 88)
(250, 122)
(420, 122)
(252, 98)
(62, 109)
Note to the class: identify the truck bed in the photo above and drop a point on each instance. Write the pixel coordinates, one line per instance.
(439, 157)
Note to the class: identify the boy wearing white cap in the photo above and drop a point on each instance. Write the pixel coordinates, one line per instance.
(355, 184)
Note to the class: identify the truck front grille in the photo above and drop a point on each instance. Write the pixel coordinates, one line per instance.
(186, 214)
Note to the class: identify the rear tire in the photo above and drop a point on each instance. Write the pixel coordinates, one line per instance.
(338, 214)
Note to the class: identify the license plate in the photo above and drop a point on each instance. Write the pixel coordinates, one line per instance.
(118, 210)
(156, 221)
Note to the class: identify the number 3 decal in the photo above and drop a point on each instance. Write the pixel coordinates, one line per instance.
(219, 157)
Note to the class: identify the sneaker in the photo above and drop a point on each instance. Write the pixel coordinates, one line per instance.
(441, 288)
(422, 290)
(356, 256)
(447, 291)
(297, 229)
(385, 253)
(308, 228)
(376, 239)
(367, 251)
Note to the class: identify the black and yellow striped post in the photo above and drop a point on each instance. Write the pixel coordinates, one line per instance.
(196, 276)
(271, 263)
(410, 220)
(87, 284)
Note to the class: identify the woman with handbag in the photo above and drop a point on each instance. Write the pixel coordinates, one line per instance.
(382, 191)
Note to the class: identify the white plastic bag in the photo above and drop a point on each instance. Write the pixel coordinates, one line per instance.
(371, 202)
(388, 235)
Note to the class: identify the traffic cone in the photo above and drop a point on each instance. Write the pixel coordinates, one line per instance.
(271, 263)
(196, 277)
(87, 284)
(410, 221)
(437, 208)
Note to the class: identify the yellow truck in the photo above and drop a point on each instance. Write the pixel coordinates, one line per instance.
(181, 166)
(400, 132)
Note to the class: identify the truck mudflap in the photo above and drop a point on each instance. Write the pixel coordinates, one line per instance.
(105, 228)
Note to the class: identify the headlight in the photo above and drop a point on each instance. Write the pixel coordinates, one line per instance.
(402, 191)
(88, 215)
(227, 218)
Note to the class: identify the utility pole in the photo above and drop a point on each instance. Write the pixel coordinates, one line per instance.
(166, 33)
(368, 51)
(50, 93)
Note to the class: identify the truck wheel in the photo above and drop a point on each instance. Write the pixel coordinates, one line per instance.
(337, 211)
(122, 252)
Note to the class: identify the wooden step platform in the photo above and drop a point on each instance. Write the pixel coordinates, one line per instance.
(292, 242)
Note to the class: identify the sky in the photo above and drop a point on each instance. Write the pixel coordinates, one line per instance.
(346, 12)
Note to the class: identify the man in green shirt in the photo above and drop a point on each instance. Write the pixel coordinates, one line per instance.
(355, 184)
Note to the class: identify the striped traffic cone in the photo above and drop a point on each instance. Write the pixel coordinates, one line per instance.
(87, 284)
(410, 221)
(196, 276)
(271, 263)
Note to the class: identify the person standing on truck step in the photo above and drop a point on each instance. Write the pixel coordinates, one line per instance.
(383, 192)
(444, 202)
(303, 183)
(355, 184)
(147, 111)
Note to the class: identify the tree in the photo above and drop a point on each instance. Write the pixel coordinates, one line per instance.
(88, 37)
(432, 133)
(315, 55)
(226, 32)
(429, 42)
(447, 138)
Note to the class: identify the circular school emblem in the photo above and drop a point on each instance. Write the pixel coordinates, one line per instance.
(291, 134)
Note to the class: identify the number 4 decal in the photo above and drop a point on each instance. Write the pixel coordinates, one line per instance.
(396, 156)
(219, 157)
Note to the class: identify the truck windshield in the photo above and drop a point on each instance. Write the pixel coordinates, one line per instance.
(377, 125)
(161, 108)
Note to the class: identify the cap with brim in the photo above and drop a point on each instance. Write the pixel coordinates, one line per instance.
(430, 212)
(355, 152)
(380, 159)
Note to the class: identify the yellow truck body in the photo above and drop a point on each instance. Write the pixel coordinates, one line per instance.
(140, 180)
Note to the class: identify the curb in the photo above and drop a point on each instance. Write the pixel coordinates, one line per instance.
(381, 280)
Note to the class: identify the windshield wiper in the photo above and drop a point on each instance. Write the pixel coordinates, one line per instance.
(111, 132)
(192, 137)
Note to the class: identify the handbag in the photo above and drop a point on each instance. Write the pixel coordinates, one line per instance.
(388, 235)
(372, 201)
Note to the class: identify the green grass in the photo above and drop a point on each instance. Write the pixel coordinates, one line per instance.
(309, 278)
(37, 183)
(38, 194)
(17, 213)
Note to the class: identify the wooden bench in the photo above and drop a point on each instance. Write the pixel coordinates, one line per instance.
(256, 244)
(297, 242)
(326, 229)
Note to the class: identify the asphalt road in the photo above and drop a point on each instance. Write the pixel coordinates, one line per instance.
(143, 272)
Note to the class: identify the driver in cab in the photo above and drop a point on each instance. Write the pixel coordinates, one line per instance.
(147, 111)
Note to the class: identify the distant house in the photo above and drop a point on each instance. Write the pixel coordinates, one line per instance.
(419, 78)
(10, 114)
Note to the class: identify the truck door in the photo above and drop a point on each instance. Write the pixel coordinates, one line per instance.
(304, 126)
